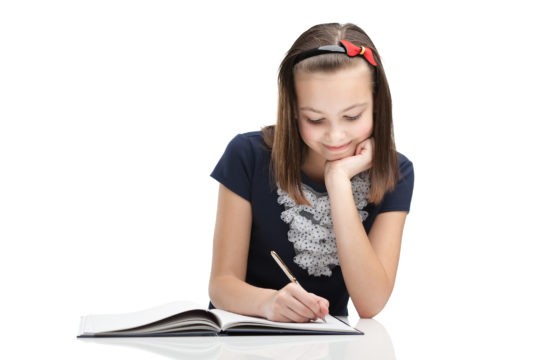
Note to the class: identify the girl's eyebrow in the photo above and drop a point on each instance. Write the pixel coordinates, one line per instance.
(309, 108)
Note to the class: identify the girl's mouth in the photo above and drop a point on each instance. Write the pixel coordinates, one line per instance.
(337, 148)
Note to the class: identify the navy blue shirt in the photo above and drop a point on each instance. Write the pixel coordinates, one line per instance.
(244, 169)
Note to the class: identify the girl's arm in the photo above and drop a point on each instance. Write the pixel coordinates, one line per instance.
(228, 289)
(369, 263)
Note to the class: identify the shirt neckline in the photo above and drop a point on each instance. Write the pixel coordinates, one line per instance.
(315, 185)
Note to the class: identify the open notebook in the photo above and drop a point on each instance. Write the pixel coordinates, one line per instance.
(183, 319)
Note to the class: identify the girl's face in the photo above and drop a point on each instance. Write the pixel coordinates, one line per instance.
(335, 111)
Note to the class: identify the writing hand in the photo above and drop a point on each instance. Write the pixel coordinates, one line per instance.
(294, 304)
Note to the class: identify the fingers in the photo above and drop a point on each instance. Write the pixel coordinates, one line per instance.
(294, 304)
(366, 145)
(324, 307)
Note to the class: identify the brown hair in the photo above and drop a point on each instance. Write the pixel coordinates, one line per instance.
(288, 149)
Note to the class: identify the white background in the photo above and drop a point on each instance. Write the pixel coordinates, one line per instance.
(113, 114)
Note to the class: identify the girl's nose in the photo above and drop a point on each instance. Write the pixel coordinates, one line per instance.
(335, 134)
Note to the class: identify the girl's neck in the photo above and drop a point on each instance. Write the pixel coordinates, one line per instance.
(313, 168)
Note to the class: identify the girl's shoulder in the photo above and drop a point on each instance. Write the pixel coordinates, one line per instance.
(249, 143)
(406, 173)
(243, 161)
(405, 165)
(399, 198)
(247, 139)
(403, 160)
(247, 149)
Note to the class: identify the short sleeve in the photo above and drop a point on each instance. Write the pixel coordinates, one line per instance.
(399, 199)
(235, 168)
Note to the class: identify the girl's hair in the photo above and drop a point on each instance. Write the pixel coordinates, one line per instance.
(288, 149)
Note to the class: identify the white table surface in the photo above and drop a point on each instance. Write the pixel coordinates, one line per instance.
(406, 337)
(375, 344)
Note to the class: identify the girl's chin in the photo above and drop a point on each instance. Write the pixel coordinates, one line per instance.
(335, 157)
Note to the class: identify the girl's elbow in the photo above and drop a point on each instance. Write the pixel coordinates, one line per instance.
(368, 314)
(370, 311)
(217, 286)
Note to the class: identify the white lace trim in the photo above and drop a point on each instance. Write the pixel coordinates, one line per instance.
(310, 227)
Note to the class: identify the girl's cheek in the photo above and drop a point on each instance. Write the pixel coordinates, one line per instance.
(308, 133)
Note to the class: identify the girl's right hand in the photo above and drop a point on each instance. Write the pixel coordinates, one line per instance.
(294, 304)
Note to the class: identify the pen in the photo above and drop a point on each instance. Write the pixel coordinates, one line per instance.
(285, 269)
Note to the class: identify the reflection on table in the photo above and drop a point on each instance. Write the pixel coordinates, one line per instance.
(375, 344)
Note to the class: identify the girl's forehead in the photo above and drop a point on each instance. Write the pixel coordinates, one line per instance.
(352, 84)
(357, 69)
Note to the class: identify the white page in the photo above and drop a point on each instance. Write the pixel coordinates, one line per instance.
(92, 324)
(332, 324)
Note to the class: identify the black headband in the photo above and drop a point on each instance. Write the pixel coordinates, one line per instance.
(344, 47)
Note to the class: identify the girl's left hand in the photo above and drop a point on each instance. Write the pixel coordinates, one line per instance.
(351, 165)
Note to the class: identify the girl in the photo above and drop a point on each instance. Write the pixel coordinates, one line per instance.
(324, 188)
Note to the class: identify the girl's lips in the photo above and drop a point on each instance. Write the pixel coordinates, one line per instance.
(338, 148)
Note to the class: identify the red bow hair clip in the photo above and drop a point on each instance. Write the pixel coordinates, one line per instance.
(344, 47)
(353, 50)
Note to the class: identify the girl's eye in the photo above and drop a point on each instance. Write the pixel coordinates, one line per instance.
(314, 121)
(352, 118)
